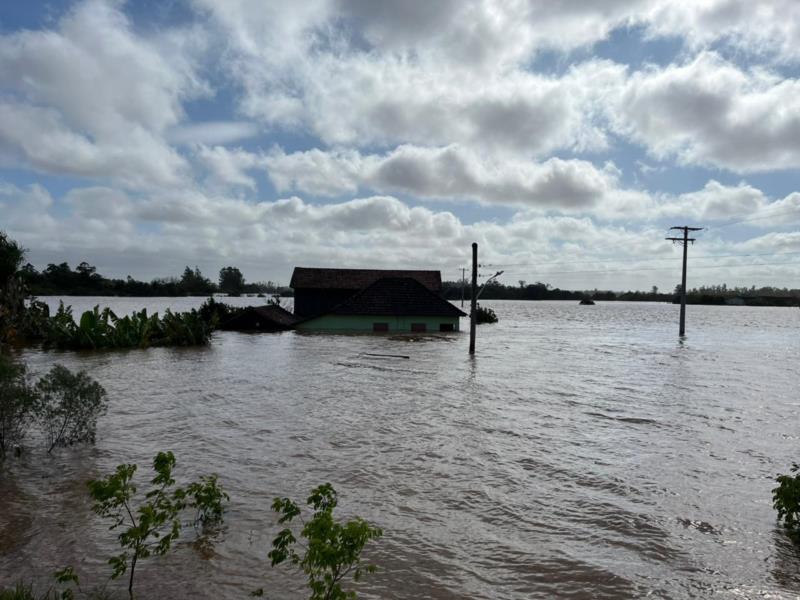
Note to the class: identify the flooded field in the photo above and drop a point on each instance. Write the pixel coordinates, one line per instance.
(585, 452)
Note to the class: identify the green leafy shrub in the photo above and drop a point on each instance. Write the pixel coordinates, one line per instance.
(34, 321)
(18, 403)
(69, 405)
(65, 404)
(485, 315)
(22, 591)
(101, 329)
(184, 329)
(332, 549)
(214, 312)
(66, 576)
(151, 528)
(786, 500)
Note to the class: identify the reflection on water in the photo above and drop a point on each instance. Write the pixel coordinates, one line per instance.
(584, 452)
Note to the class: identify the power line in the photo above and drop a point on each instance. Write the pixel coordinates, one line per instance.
(672, 258)
(748, 220)
(701, 257)
(645, 269)
(736, 266)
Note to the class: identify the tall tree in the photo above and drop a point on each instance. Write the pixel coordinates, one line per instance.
(11, 256)
(12, 290)
(231, 281)
(193, 282)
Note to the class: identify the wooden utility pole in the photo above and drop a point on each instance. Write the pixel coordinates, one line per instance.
(473, 313)
(463, 283)
(685, 240)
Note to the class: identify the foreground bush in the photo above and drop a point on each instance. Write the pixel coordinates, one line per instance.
(786, 500)
(332, 550)
(66, 405)
(18, 403)
(149, 523)
(69, 405)
(150, 528)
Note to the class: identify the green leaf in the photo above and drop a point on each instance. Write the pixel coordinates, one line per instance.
(332, 549)
(151, 527)
(119, 564)
(66, 575)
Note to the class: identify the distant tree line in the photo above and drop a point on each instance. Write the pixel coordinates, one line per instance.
(713, 294)
(84, 280)
(495, 290)
(752, 296)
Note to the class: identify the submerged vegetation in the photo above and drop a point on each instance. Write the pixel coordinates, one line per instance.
(68, 406)
(786, 500)
(485, 315)
(149, 523)
(214, 311)
(100, 329)
(150, 528)
(65, 405)
(23, 591)
(18, 404)
(332, 549)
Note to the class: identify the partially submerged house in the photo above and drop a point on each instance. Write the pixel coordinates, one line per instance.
(317, 291)
(389, 301)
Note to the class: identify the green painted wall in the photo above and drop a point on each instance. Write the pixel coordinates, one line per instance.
(364, 323)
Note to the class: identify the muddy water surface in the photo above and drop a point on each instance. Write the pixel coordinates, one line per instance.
(585, 452)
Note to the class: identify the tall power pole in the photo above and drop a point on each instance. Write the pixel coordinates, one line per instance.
(463, 283)
(685, 240)
(473, 313)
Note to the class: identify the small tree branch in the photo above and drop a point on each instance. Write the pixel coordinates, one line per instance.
(130, 514)
(60, 434)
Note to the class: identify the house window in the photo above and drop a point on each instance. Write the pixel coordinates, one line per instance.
(418, 327)
(446, 327)
(380, 327)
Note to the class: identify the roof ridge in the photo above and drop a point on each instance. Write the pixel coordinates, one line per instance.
(351, 302)
(358, 279)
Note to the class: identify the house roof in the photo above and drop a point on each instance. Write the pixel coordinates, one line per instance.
(397, 296)
(261, 317)
(357, 279)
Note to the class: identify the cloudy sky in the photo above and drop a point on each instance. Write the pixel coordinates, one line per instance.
(565, 137)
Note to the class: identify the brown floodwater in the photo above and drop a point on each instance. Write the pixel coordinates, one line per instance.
(585, 452)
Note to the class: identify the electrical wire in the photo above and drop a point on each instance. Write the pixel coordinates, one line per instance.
(737, 266)
(746, 220)
(630, 259)
(694, 257)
